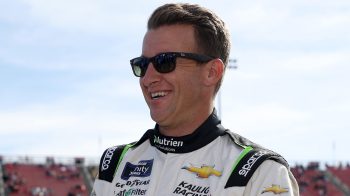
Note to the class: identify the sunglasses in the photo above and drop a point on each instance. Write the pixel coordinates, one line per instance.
(164, 62)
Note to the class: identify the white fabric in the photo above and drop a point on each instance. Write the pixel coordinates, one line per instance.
(170, 173)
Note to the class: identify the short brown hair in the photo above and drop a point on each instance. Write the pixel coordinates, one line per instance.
(212, 36)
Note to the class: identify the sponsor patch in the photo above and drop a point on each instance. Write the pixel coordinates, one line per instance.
(133, 183)
(169, 145)
(107, 158)
(251, 161)
(142, 169)
(204, 171)
(131, 187)
(167, 142)
(275, 189)
(130, 192)
(185, 188)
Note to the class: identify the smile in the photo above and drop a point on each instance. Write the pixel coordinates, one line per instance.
(157, 95)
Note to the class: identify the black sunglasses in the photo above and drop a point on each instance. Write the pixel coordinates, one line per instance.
(164, 62)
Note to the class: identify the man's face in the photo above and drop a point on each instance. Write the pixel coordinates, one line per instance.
(174, 98)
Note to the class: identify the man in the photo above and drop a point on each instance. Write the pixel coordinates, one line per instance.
(184, 55)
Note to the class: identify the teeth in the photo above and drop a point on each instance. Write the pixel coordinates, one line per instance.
(158, 94)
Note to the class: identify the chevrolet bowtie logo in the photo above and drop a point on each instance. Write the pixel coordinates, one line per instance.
(276, 189)
(204, 171)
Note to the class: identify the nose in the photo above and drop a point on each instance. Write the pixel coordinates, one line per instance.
(151, 76)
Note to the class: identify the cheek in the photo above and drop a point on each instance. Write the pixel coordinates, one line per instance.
(144, 91)
(188, 82)
(194, 80)
(191, 87)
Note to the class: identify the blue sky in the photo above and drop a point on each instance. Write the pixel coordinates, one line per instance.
(66, 87)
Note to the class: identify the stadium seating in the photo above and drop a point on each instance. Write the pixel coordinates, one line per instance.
(341, 172)
(51, 179)
(313, 182)
(43, 180)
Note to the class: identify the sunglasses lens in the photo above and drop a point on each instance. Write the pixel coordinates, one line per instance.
(165, 63)
(139, 66)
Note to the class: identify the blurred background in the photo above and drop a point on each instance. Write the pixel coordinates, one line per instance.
(67, 91)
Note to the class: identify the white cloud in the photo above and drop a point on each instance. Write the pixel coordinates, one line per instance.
(266, 117)
(33, 121)
(63, 128)
(107, 17)
(316, 62)
(290, 22)
(107, 104)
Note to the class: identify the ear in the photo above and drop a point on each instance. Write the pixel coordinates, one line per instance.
(214, 72)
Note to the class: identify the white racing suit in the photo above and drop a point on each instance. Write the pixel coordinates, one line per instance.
(211, 161)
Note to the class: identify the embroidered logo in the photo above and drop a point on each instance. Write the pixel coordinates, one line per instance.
(249, 164)
(185, 188)
(142, 169)
(131, 192)
(167, 142)
(275, 189)
(204, 171)
(107, 158)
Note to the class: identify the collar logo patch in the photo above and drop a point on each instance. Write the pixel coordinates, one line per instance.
(204, 171)
(275, 189)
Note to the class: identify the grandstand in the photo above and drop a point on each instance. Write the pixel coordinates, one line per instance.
(314, 181)
(74, 177)
(25, 177)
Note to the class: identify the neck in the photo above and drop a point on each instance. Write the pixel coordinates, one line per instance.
(188, 125)
(208, 131)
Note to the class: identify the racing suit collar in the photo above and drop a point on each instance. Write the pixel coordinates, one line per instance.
(203, 135)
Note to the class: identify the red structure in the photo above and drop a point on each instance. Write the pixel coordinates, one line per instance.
(313, 181)
(47, 180)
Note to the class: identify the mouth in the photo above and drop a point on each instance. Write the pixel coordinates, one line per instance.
(159, 94)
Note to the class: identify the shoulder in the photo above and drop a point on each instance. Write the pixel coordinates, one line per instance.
(251, 158)
(110, 160)
(256, 149)
(112, 157)
(272, 177)
(269, 167)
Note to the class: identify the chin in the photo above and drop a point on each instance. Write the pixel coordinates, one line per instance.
(157, 116)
